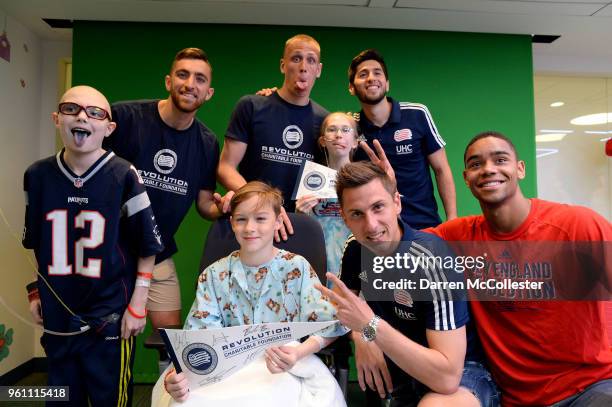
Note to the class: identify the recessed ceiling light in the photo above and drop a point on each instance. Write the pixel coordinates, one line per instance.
(556, 131)
(545, 138)
(557, 104)
(597, 132)
(592, 119)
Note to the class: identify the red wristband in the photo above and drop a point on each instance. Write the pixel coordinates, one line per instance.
(134, 314)
(145, 275)
(33, 295)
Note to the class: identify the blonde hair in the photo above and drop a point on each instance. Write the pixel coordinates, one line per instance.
(266, 194)
(304, 38)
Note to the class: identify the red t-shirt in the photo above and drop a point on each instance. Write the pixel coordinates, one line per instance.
(541, 352)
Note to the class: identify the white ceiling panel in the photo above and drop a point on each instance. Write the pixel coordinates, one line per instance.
(561, 1)
(584, 45)
(605, 12)
(361, 3)
(507, 6)
(382, 3)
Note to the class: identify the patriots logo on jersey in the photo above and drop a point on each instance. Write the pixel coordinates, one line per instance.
(78, 199)
(156, 231)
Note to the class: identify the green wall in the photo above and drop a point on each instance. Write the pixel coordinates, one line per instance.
(470, 82)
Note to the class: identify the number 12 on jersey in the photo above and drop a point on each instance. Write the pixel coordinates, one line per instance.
(89, 267)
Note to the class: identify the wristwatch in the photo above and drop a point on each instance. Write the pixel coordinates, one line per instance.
(368, 333)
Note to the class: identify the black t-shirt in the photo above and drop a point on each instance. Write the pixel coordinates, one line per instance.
(279, 137)
(174, 164)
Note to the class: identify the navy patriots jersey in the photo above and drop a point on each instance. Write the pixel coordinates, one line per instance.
(87, 233)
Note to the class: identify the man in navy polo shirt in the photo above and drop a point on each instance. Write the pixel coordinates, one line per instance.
(269, 137)
(412, 144)
(410, 140)
(432, 352)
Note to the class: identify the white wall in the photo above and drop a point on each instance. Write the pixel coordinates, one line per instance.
(578, 174)
(53, 52)
(22, 142)
(585, 65)
(577, 171)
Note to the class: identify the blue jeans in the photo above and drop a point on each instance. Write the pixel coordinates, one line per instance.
(599, 394)
(477, 379)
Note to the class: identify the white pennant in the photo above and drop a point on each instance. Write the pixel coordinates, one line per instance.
(208, 356)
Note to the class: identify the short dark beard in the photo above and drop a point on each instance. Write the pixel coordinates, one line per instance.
(364, 100)
(177, 103)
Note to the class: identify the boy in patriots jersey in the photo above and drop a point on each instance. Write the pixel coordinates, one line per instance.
(90, 224)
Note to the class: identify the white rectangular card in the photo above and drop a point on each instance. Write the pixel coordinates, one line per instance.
(315, 179)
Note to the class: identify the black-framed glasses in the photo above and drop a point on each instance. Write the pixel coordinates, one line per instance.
(93, 112)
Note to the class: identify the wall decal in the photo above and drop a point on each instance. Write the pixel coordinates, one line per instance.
(5, 47)
(6, 339)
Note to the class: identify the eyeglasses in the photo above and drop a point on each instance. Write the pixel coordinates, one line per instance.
(331, 131)
(93, 112)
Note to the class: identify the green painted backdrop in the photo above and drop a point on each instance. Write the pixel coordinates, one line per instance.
(470, 82)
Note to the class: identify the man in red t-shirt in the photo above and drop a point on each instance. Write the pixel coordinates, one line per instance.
(540, 352)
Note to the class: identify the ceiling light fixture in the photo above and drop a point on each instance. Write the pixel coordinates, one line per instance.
(546, 138)
(556, 131)
(543, 152)
(592, 119)
(557, 104)
(598, 132)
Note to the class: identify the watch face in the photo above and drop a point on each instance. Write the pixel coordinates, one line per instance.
(369, 333)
